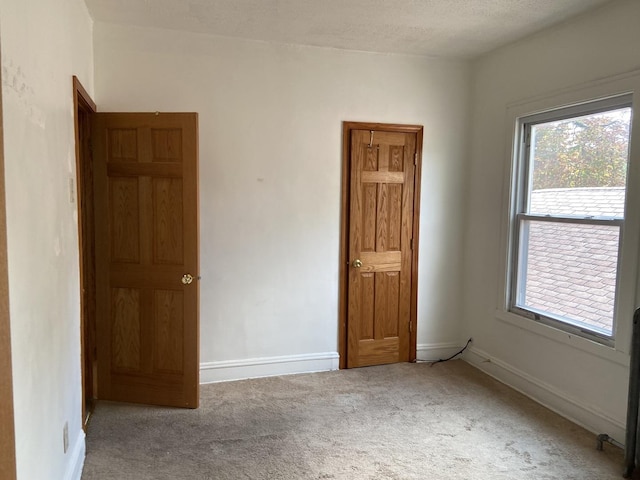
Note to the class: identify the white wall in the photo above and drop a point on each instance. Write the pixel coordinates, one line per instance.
(44, 42)
(270, 159)
(580, 379)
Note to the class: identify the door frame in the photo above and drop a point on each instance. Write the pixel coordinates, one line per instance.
(82, 103)
(7, 428)
(343, 294)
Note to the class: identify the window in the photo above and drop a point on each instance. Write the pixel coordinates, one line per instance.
(569, 214)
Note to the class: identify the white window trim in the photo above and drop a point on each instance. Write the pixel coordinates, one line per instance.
(628, 284)
(522, 161)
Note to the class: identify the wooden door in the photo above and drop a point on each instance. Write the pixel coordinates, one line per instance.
(147, 257)
(380, 238)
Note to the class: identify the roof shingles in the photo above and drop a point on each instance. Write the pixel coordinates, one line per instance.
(571, 268)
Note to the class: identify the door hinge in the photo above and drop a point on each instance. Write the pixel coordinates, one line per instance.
(411, 244)
(410, 327)
(415, 158)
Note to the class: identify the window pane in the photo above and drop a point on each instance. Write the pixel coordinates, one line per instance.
(578, 166)
(568, 271)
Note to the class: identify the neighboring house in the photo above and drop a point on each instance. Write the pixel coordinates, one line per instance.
(568, 261)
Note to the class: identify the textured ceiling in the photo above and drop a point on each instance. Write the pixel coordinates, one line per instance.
(441, 28)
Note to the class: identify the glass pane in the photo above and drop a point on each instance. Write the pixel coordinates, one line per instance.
(568, 271)
(579, 165)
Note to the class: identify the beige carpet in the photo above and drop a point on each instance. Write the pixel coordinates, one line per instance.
(403, 421)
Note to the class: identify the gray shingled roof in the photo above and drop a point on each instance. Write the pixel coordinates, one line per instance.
(599, 202)
(571, 270)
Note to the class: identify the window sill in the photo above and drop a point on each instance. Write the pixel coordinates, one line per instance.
(612, 354)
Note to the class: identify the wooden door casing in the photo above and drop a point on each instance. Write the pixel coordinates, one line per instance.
(379, 227)
(7, 424)
(146, 240)
(84, 108)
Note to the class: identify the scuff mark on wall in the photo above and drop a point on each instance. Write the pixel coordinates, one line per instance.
(14, 79)
(14, 82)
(57, 248)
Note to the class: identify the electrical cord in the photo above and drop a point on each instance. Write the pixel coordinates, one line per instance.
(433, 362)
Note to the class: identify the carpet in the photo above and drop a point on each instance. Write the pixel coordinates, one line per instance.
(403, 421)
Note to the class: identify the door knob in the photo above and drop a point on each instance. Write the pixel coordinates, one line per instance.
(187, 279)
(357, 263)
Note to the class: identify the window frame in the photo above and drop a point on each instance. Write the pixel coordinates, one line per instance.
(520, 196)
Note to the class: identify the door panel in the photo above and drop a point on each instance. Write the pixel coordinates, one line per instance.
(125, 216)
(147, 323)
(167, 217)
(169, 312)
(380, 228)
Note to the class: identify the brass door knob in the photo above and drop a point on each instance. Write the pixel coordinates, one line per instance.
(187, 279)
(357, 263)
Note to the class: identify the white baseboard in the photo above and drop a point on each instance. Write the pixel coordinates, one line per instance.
(551, 397)
(212, 372)
(76, 458)
(435, 351)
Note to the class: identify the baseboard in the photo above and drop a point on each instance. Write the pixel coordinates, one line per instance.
(436, 351)
(551, 397)
(212, 372)
(76, 459)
